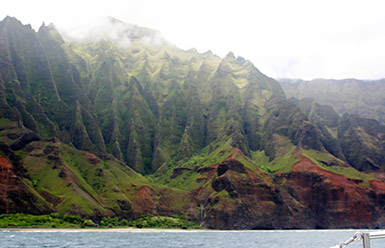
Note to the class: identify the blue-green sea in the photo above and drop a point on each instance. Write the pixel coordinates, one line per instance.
(163, 239)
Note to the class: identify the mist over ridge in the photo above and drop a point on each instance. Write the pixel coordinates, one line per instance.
(128, 124)
(362, 97)
(273, 35)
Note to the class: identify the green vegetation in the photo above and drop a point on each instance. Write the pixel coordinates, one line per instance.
(150, 221)
(282, 164)
(285, 163)
(365, 97)
(44, 221)
(147, 128)
(55, 220)
(5, 123)
(322, 159)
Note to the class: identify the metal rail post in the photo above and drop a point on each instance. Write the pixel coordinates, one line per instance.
(366, 240)
(366, 237)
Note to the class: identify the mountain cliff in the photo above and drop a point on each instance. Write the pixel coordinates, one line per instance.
(353, 96)
(127, 124)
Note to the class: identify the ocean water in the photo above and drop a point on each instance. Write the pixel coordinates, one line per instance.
(159, 239)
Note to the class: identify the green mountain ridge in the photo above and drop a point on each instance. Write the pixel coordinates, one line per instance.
(353, 96)
(216, 139)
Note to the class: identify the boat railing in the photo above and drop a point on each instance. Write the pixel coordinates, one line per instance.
(364, 236)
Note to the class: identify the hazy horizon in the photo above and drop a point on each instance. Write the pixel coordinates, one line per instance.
(283, 39)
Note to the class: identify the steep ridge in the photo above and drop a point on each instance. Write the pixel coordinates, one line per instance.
(219, 140)
(353, 96)
(16, 195)
(45, 175)
(38, 78)
(178, 89)
(357, 140)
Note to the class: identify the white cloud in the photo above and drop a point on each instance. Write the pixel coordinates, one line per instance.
(298, 38)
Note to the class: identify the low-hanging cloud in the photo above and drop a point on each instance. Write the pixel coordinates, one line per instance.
(329, 39)
(109, 28)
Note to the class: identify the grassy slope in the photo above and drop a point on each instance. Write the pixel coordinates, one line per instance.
(289, 155)
(78, 182)
(81, 186)
(94, 187)
(320, 158)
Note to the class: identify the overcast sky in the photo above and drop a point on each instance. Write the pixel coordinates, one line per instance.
(283, 38)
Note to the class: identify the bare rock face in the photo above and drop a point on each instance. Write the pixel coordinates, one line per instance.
(306, 197)
(179, 171)
(362, 141)
(230, 164)
(15, 195)
(170, 112)
(250, 203)
(333, 200)
(24, 140)
(241, 198)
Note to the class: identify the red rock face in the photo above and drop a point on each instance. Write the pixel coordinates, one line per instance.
(145, 200)
(160, 201)
(15, 196)
(334, 200)
(378, 186)
(232, 196)
(306, 197)
(239, 198)
(7, 181)
(92, 159)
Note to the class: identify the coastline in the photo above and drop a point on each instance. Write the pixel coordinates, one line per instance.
(128, 229)
(154, 230)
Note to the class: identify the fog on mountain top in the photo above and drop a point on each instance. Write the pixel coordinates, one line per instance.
(112, 29)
